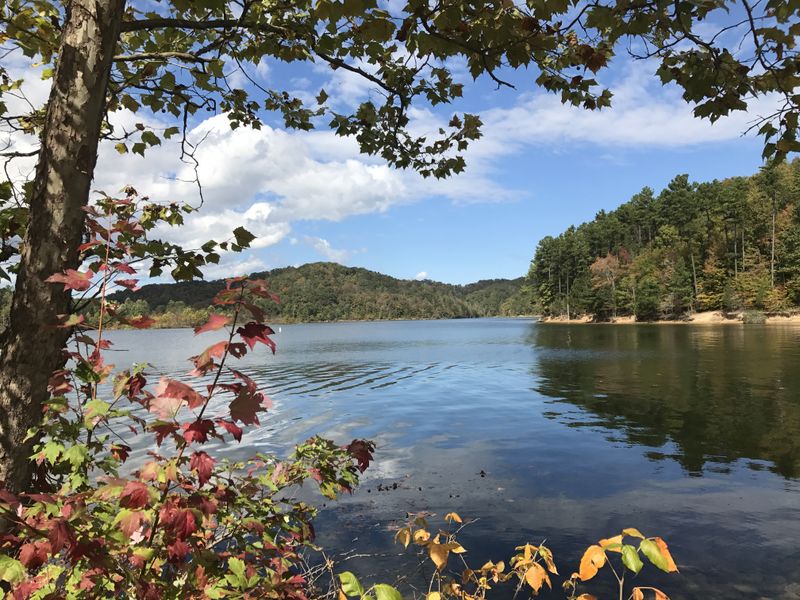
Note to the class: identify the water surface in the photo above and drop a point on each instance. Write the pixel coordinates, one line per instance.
(560, 432)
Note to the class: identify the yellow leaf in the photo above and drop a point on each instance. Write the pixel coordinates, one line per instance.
(434, 596)
(403, 536)
(662, 546)
(660, 595)
(456, 548)
(536, 576)
(615, 542)
(586, 597)
(453, 517)
(632, 531)
(421, 537)
(638, 594)
(438, 554)
(529, 550)
(547, 555)
(593, 559)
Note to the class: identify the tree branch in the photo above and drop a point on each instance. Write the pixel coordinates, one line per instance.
(184, 56)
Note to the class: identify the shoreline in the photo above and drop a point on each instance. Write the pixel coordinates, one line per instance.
(711, 317)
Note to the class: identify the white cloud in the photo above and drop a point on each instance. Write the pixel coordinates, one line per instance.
(421, 276)
(324, 247)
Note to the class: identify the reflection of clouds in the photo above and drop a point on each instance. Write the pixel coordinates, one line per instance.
(571, 442)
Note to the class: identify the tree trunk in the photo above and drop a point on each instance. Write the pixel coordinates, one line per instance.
(772, 258)
(32, 351)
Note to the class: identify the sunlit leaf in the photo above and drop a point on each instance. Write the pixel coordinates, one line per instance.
(453, 517)
(386, 592)
(630, 558)
(350, 584)
(593, 559)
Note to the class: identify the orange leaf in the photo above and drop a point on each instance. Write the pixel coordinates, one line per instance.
(547, 555)
(421, 536)
(536, 576)
(660, 595)
(638, 594)
(662, 546)
(586, 597)
(403, 536)
(453, 517)
(614, 541)
(593, 559)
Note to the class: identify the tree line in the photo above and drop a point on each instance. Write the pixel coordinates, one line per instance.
(730, 245)
(332, 292)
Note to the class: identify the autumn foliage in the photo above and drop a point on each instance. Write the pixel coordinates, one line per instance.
(183, 522)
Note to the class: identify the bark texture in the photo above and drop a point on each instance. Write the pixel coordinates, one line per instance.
(31, 351)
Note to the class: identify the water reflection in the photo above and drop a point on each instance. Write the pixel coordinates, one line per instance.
(579, 431)
(718, 393)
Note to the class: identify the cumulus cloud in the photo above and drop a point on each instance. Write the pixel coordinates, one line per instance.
(324, 247)
(421, 276)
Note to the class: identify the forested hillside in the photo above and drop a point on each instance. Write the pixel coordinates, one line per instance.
(722, 245)
(330, 292)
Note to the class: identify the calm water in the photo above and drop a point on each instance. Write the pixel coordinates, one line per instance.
(560, 432)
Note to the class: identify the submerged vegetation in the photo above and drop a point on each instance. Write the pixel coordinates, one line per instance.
(728, 245)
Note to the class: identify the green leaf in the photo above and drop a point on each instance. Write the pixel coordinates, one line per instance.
(650, 549)
(76, 455)
(630, 558)
(148, 137)
(243, 237)
(350, 584)
(11, 570)
(386, 592)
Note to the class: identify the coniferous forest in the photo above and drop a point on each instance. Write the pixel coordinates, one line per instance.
(731, 245)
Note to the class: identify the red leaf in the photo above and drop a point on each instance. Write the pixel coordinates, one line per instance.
(361, 450)
(237, 349)
(214, 322)
(254, 332)
(170, 388)
(179, 521)
(132, 521)
(204, 362)
(165, 407)
(72, 280)
(120, 451)
(123, 268)
(203, 464)
(35, 554)
(197, 431)
(177, 551)
(135, 495)
(60, 534)
(231, 428)
(162, 430)
(141, 322)
(131, 284)
(90, 244)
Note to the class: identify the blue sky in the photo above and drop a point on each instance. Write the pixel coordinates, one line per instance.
(539, 168)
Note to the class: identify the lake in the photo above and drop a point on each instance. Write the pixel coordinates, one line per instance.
(560, 432)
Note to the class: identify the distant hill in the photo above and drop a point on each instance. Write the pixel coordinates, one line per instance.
(332, 292)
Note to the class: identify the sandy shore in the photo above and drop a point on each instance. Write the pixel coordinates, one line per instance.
(699, 318)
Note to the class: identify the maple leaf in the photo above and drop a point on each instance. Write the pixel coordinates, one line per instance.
(130, 521)
(123, 268)
(214, 322)
(204, 362)
(72, 280)
(231, 428)
(179, 521)
(60, 534)
(131, 284)
(165, 407)
(253, 332)
(177, 551)
(171, 388)
(362, 451)
(144, 322)
(35, 554)
(197, 431)
(203, 464)
(120, 451)
(68, 320)
(134, 495)
(162, 429)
